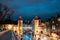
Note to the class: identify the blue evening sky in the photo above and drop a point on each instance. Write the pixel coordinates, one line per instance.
(30, 8)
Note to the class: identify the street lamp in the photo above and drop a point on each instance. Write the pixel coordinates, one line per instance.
(58, 19)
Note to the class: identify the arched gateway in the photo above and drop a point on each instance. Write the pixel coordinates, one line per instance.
(27, 35)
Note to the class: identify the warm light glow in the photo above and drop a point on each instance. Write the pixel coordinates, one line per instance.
(53, 27)
(15, 28)
(37, 36)
(58, 19)
(45, 38)
(52, 21)
(54, 35)
(10, 27)
(43, 24)
(37, 30)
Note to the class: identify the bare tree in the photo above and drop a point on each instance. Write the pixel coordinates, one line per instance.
(5, 12)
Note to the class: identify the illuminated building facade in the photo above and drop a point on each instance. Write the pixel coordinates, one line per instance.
(20, 27)
(48, 28)
(36, 28)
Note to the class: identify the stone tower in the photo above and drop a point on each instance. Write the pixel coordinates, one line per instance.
(20, 27)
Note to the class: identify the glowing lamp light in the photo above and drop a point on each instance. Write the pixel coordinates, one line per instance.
(15, 28)
(58, 19)
(9, 27)
(37, 36)
(54, 34)
(44, 38)
(38, 30)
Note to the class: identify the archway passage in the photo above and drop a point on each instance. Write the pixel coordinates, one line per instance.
(27, 35)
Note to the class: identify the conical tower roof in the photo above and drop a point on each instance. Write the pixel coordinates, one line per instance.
(36, 18)
(20, 18)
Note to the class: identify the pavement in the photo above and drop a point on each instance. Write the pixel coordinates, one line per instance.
(1, 33)
(8, 35)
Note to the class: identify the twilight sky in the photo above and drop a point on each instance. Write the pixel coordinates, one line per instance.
(30, 8)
